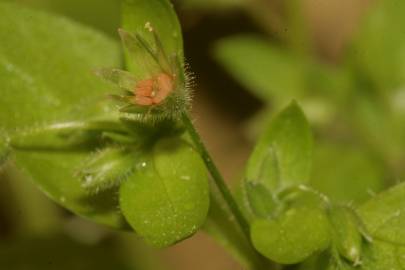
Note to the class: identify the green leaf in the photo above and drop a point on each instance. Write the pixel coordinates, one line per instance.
(381, 57)
(382, 255)
(268, 71)
(377, 255)
(337, 167)
(83, 12)
(293, 237)
(384, 215)
(138, 16)
(167, 198)
(45, 74)
(282, 157)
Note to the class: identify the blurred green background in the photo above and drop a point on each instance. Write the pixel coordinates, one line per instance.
(342, 60)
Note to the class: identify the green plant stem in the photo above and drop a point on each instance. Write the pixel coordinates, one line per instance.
(216, 175)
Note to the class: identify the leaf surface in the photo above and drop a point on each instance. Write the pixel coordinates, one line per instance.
(46, 78)
(167, 198)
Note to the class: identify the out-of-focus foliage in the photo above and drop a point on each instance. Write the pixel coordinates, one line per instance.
(381, 57)
(255, 63)
(357, 107)
(211, 4)
(358, 101)
(358, 110)
(103, 15)
(341, 166)
(276, 75)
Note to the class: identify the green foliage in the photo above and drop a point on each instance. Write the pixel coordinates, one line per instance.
(3, 151)
(139, 16)
(45, 65)
(59, 130)
(384, 215)
(382, 255)
(282, 157)
(337, 167)
(346, 235)
(359, 112)
(260, 200)
(212, 5)
(270, 72)
(68, 138)
(107, 168)
(289, 223)
(166, 199)
(381, 57)
(276, 75)
(292, 222)
(105, 17)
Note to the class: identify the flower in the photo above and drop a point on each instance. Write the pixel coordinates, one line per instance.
(158, 93)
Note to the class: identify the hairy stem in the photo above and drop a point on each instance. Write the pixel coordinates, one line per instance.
(216, 176)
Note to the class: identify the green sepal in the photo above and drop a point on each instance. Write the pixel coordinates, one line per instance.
(159, 15)
(346, 233)
(107, 168)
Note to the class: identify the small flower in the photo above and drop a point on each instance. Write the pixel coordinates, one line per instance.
(159, 93)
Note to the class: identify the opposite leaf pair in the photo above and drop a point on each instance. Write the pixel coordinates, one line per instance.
(290, 221)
